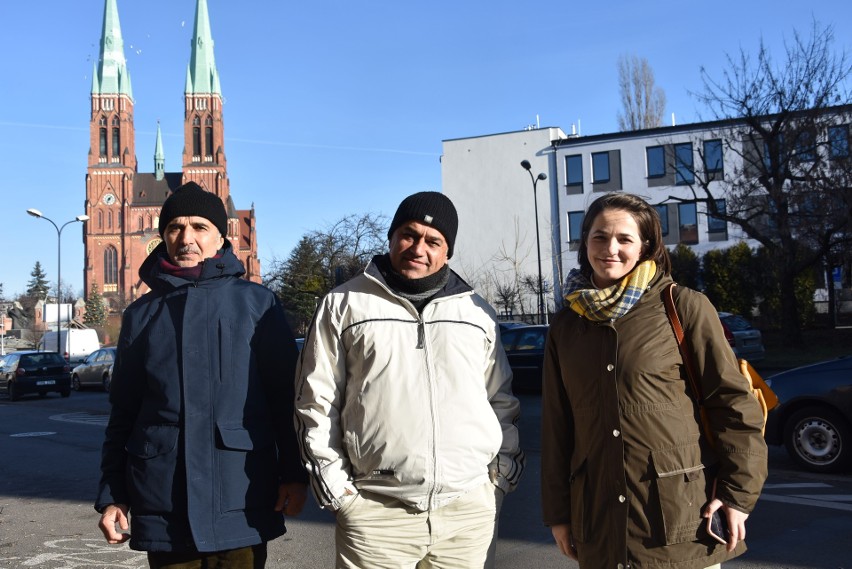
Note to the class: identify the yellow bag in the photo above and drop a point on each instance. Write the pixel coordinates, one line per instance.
(766, 398)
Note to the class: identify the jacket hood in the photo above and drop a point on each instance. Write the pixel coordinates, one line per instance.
(227, 265)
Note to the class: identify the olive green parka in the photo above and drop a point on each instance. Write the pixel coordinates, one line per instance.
(624, 461)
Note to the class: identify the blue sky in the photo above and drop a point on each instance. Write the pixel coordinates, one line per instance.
(340, 107)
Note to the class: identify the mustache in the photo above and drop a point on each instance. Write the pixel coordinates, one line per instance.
(188, 250)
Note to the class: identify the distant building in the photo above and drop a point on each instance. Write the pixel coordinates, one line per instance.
(483, 176)
(122, 203)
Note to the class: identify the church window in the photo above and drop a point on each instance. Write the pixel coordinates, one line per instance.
(208, 142)
(100, 220)
(140, 224)
(150, 226)
(110, 265)
(196, 141)
(115, 143)
(103, 142)
(109, 220)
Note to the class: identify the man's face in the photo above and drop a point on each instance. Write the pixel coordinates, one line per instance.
(191, 239)
(417, 250)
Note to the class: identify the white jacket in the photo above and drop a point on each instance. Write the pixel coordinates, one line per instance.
(413, 406)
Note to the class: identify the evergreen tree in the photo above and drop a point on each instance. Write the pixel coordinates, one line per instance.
(38, 286)
(1, 293)
(95, 310)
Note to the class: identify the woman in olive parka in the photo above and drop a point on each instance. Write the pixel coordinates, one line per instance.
(628, 478)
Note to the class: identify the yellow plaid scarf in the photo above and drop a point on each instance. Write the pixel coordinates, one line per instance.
(600, 305)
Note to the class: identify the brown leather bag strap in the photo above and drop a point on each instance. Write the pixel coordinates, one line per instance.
(682, 345)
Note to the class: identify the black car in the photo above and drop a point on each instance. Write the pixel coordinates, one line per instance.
(524, 347)
(814, 416)
(34, 372)
(94, 371)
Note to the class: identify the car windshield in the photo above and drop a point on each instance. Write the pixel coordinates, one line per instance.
(41, 360)
(736, 323)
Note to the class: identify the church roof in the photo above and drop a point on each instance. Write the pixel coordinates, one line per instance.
(149, 191)
(201, 74)
(110, 75)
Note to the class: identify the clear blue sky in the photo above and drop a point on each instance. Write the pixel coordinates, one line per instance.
(339, 107)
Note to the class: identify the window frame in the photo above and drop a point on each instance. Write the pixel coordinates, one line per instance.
(662, 159)
(682, 167)
(582, 216)
(720, 169)
(577, 159)
(595, 178)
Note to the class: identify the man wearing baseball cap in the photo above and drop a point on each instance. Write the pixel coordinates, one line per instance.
(200, 461)
(404, 407)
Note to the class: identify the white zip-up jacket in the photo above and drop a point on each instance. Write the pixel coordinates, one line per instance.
(413, 406)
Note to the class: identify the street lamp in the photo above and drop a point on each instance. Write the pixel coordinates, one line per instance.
(525, 164)
(36, 213)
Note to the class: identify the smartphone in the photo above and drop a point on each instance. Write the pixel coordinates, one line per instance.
(717, 526)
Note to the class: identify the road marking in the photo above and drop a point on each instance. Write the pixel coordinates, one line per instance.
(827, 497)
(796, 485)
(806, 502)
(80, 554)
(34, 434)
(82, 418)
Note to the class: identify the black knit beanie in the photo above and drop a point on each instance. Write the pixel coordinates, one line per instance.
(431, 208)
(191, 199)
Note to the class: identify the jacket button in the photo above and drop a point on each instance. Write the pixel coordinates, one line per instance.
(622, 498)
(615, 432)
(610, 367)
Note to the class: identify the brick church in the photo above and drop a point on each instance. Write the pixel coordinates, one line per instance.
(122, 203)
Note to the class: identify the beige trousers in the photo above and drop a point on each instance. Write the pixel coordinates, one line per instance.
(377, 532)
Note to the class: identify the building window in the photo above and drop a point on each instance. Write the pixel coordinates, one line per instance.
(574, 170)
(656, 156)
(150, 226)
(575, 226)
(100, 220)
(109, 220)
(714, 224)
(208, 140)
(196, 141)
(688, 219)
(683, 164)
(115, 143)
(600, 167)
(805, 149)
(838, 141)
(663, 212)
(110, 265)
(713, 163)
(103, 142)
(140, 224)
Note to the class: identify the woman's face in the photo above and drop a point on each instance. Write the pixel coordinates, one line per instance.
(614, 246)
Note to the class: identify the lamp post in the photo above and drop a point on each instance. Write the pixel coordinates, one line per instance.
(36, 213)
(525, 164)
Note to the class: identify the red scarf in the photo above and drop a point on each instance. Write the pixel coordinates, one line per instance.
(188, 273)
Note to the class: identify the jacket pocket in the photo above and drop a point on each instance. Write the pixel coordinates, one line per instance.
(152, 464)
(246, 467)
(682, 492)
(578, 481)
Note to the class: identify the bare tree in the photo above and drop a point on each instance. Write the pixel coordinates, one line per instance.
(643, 103)
(789, 185)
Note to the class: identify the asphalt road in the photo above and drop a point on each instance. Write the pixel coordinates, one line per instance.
(49, 454)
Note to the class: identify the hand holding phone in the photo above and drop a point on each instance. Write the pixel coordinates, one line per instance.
(717, 526)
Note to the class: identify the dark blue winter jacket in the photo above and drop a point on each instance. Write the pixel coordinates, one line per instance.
(201, 429)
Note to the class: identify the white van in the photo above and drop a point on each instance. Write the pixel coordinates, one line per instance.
(74, 344)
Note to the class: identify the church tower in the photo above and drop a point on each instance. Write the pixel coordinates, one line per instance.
(112, 159)
(123, 204)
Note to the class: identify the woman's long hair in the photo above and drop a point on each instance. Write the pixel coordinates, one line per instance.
(647, 219)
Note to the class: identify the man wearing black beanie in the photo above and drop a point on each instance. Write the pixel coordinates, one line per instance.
(404, 410)
(200, 461)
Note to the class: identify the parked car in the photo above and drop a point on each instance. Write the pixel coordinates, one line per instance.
(94, 371)
(814, 417)
(35, 372)
(524, 347)
(75, 344)
(746, 340)
(300, 343)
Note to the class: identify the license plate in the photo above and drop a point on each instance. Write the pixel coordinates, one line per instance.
(46, 382)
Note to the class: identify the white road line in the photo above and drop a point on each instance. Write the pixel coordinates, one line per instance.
(805, 502)
(827, 497)
(83, 418)
(796, 485)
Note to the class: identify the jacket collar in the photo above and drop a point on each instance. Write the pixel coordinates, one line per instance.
(455, 284)
(226, 265)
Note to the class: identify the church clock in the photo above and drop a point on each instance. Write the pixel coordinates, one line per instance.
(109, 199)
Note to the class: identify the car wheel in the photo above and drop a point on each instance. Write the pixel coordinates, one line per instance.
(75, 383)
(106, 382)
(12, 391)
(819, 439)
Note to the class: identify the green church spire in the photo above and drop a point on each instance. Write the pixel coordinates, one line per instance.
(111, 75)
(159, 157)
(202, 76)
